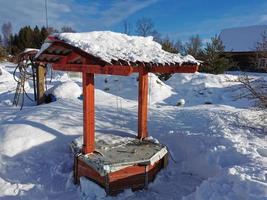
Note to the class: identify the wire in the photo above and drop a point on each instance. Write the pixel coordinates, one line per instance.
(24, 76)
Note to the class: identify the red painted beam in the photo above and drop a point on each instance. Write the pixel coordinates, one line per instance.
(71, 68)
(142, 104)
(96, 69)
(174, 69)
(88, 113)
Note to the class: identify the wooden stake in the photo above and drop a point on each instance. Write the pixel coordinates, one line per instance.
(40, 84)
(88, 113)
(142, 104)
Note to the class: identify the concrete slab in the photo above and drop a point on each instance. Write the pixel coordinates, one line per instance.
(115, 152)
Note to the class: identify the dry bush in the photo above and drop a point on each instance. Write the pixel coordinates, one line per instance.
(257, 89)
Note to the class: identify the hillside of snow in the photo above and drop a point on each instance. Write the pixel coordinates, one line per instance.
(217, 141)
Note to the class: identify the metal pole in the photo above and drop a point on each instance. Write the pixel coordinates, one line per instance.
(46, 18)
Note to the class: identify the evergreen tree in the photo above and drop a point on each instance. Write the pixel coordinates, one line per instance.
(28, 38)
(44, 34)
(37, 40)
(214, 62)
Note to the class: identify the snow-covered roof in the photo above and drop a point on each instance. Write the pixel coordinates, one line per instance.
(242, 39)
(109, 46)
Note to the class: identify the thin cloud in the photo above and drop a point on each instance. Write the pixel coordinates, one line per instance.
(31, 12)
(96, 16)
(84, 16)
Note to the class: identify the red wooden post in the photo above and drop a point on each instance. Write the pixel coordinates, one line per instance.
(142, 104)
(88, 113)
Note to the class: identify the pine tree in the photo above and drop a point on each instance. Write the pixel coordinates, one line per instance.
(37, 40)
(44, 33)
(214, 62)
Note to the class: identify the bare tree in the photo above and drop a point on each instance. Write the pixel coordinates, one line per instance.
(179, 46)
(2, 51)
(67, 29)
(257, 89)
(194, 46)
(6, 31)
(261, 49)
(145, 27)
(127, 27)
(51, 30)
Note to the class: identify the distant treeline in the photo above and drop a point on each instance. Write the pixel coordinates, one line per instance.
(27, 38)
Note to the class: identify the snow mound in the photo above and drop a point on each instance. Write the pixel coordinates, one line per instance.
(109, 46)
(231, 184)
(158, 91)
(9, 189)
(20, 137)
(7, 81)
(66, 90)
(127, 87)
(201, 88)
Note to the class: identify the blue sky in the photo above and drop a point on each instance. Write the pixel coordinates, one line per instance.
(175, 18)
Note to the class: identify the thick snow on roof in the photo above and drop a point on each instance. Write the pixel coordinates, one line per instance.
(109, 46)
(242, 38)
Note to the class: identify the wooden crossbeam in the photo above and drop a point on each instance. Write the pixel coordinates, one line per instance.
(174, 69)
(124, 70)
(95, 69)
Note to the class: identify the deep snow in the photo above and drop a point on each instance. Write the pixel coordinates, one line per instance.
(217, 141)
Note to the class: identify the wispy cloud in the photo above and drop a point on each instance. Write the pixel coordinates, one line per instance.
(88, 15)
(31, 12)
(96, 16)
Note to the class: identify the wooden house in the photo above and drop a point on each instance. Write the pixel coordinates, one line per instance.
(241, 44)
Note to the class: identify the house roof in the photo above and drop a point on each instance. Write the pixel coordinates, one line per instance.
(242, 39)
(110, 47)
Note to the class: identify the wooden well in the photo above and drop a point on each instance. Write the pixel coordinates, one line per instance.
(134, 173)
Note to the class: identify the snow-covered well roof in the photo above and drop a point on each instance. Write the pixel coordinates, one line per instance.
(109, 46)
(242, 39)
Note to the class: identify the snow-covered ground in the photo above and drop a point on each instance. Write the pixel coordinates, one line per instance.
(217, 141)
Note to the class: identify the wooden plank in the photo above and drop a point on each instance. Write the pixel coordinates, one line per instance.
(96, 69)
(40, 76)
(71, 68)
(174, 69)
(142, 104)
(88, 113)
(86, 171)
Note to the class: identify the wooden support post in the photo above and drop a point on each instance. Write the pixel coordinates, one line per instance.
(88, 113)
(40, 76)
(142, 104)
